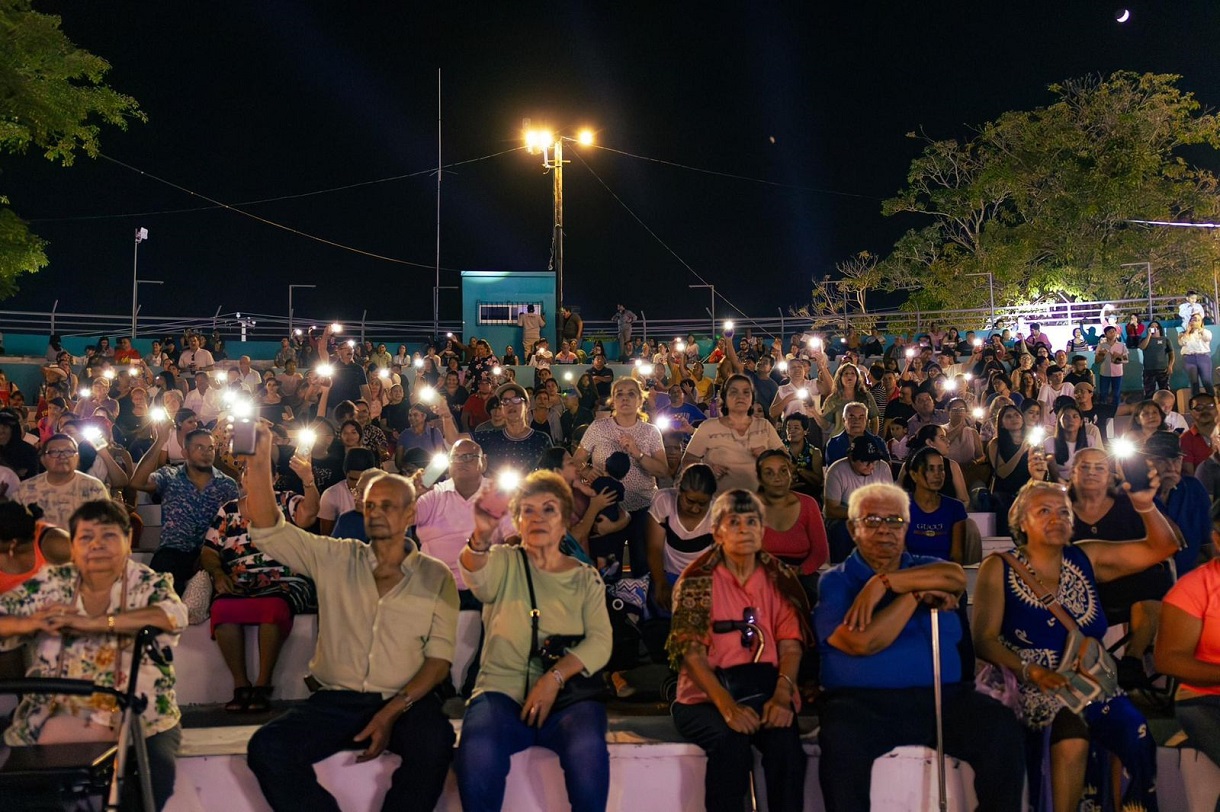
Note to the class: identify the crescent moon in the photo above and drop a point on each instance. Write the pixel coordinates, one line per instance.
(1124, 15)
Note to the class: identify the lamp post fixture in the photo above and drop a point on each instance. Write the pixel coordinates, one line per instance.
(141, 235)
(291, 288)
(550, 146)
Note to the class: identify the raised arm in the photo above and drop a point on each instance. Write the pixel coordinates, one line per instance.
(1160, 541)
(151, 460)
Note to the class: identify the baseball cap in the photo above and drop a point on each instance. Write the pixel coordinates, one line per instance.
(1162, 445)
(863, 450)
(509, 389)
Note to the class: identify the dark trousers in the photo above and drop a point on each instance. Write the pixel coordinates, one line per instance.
(730, 760)
(492, 731)
(861, 724)
(1155, 379)
(179, 563)
(282, 753)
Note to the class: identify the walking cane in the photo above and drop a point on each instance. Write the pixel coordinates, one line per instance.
(936, 695)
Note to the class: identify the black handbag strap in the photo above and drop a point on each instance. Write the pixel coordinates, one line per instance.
(534, 615)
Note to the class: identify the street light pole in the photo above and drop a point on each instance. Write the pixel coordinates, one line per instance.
(990, 292)
(1148, 268)
(142, 282)
(712, 311)
(141, 235)
(291, 288)
(543, 141)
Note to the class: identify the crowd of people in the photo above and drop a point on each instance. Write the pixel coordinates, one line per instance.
(780, 532)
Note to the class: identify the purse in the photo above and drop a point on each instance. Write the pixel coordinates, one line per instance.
(577, 688)
(1091, 673)
(750, 684)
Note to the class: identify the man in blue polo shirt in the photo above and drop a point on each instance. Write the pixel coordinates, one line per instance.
(855, 424)
(190, 495)
(874, 628)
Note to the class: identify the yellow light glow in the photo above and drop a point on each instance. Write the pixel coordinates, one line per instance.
(585, 138)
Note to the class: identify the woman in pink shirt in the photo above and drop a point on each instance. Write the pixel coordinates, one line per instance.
(732, 603)
(793, 530)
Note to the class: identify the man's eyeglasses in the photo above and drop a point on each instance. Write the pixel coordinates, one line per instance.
(1204, 407)
(62, 452)
(511, 401)
(466, 457)
(874, 522)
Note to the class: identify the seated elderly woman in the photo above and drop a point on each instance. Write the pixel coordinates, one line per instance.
(519, 699)
(1014, 629)
(737, 688)
(80, 616)
(1188, 648)
(873, 622)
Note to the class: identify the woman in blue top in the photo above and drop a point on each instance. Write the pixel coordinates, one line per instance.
(1014, 630)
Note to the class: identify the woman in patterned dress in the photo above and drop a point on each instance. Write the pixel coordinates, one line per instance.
(1014, 630)
(251, 588)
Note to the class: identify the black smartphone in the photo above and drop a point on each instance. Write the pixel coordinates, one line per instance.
(1135, 471)
(243, 438)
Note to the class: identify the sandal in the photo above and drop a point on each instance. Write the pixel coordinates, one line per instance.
(260, 699)
(240, 701)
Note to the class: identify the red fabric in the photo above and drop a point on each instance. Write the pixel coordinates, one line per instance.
(251, 612)
(805, 540)
(1195, 447)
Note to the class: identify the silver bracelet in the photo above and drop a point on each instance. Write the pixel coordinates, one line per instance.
(558, 677)
(474, 550)
(788, 679)
(1025, 671)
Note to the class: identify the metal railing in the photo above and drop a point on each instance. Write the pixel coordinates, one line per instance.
(272, 326)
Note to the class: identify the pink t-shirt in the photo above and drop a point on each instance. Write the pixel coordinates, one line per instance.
(1198, 595)
(775, 616)
(805, 540)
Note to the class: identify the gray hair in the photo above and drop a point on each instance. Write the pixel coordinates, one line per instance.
(737, 500)
(853, 405)
(880, 491)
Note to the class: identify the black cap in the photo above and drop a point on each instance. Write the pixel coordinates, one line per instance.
(863, 450)
(1162, 445)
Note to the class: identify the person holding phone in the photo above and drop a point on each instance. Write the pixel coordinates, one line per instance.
(1158, 359)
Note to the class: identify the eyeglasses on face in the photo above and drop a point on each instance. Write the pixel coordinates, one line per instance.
(472, 457)
(511, 401)
(60, 452)
(874, 522)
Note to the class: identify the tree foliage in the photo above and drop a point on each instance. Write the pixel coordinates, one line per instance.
(1041, 199)
(52, 98)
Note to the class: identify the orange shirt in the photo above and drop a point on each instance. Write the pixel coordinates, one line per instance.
(1198, 595)
(10, 581)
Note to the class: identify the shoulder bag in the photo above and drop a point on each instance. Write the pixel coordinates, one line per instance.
(577, 688)
(1090, 670)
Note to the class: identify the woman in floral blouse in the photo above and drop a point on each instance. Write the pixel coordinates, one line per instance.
(81, 617)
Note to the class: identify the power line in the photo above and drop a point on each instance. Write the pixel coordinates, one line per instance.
(343, 188)
(737, 177)
(671, 251)
(265, 221)
(1170, 224)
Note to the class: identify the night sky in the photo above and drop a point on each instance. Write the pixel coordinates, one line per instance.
(263, 99)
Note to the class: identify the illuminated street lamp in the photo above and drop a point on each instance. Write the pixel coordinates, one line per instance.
(550, 146)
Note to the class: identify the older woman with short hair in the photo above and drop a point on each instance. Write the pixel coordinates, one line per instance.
(81, 616)
(514, 702)
(731, 443)
(1015, 629)
(737, 581)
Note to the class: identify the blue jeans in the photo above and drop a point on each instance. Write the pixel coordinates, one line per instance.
(492, 731)
(1199, 370)
(1111, 388)
(281, 754)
